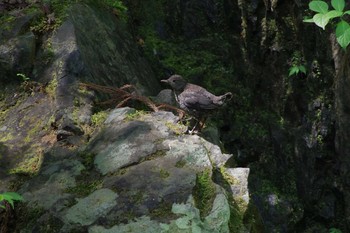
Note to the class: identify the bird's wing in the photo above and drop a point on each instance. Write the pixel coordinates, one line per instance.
(197, 100)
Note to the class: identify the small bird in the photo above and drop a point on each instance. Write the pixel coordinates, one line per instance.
(195, 100)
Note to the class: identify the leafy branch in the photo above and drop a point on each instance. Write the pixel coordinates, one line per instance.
(324, 15)
(10, 197)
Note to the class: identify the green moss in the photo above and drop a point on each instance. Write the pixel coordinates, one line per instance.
(6, 22)
(87, 159)
(135, 115)
(98, 118)
(180, 163)
(33, 131)
(164, 174)
(178, 129)
(138, 197)
(236, 218)
(204, 192)
(30, 165)
(85, 188)
(163, 210)
(228, 178)
(6, 137)
(157, 154)
(51, 87)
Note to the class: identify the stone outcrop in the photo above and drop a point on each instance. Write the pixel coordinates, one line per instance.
(138, 172)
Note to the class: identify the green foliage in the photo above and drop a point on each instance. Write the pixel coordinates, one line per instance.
(297, 66)
(118, 6)
(23, 77)
(50, 21)
(334, 230)
(295, 70)
(324, 15)
(10, 197)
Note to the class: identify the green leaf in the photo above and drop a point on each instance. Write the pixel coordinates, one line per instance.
(10, 201)
(302, 69)
(347, 12)
(319, 6)
(321, 20)
(334, 13)
(338, 4)
(342, 26)
(344, 39)
(308, 20)
(293, 70)
(12, 196)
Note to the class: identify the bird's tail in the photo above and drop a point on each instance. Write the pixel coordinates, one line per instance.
(226, 97)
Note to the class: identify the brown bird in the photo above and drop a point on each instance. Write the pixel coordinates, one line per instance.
(195, 100)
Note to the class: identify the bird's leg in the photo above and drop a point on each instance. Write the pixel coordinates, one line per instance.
(201, 123)
(192, 131)
(198, 126)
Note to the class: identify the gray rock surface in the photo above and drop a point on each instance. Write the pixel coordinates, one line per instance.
(135, 173)
(92, 207)
(108, 50)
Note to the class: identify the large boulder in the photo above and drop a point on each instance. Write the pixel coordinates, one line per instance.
(138, 172)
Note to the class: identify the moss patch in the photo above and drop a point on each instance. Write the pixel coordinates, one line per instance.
(231, 180)
(84, 188)
(51, 88)
(180, 163)
(31, 165)
(98, 118)
(87, 159)
(163, 210)
(204, 192)
(135, 115)
(178, 129)
(164, 174)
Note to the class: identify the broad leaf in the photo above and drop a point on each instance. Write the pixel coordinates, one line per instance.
(344, 39)
(12, 196)
(302, 69)
(321, 20)
(319, 6)
(347, 12)
(334, 13)
(293, 70)
(342, 26)
(338, 4)
(308, 20)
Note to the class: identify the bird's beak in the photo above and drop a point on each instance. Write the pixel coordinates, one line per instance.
(164, 80)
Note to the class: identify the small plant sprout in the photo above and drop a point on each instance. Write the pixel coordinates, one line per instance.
(297, 66)
(23, 77)
(9, 197)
